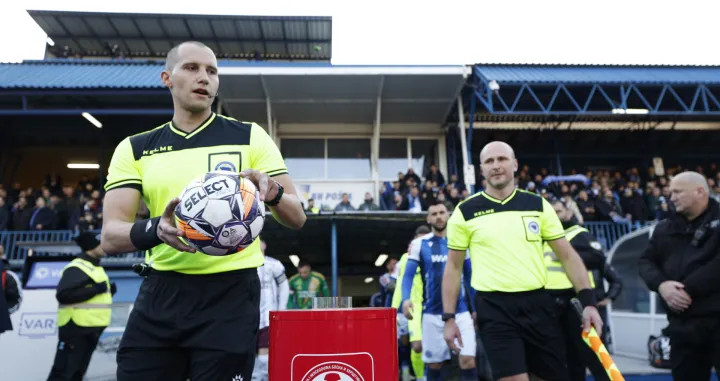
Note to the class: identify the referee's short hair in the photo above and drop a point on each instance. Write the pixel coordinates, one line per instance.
(422, 230)
(173, 56)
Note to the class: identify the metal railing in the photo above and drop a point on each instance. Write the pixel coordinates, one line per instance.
(16, 245)
(607, 234)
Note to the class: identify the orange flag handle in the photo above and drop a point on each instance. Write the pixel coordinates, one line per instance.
(592, 339)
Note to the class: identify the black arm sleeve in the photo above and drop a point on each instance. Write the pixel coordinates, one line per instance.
(650, 262)
(615, 281)
(71, 288)
(590, 250)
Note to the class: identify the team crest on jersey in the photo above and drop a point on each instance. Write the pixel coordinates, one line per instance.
(333, 371)
(225, 161)
(534, 227)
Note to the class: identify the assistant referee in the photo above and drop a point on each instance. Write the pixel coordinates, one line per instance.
(196, 316)
(504, 229)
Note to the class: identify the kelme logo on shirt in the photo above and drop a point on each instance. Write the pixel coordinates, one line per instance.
(484, 212)
(156, 150)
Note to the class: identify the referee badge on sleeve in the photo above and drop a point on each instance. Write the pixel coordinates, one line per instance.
(532, 228)
(596, 245)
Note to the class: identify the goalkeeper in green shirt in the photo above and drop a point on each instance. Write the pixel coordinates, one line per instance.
(304, 286)
(410, 331)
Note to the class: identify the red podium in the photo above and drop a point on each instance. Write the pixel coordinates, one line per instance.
(333, 345)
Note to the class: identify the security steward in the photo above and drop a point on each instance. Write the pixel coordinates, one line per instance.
(682, 264)
(579, 355)
(85, 296)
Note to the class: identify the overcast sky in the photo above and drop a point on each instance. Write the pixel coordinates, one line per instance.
(400, 32)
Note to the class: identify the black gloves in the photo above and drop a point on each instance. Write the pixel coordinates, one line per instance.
(100, 287)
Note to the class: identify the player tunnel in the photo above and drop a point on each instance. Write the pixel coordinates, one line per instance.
(344, 246)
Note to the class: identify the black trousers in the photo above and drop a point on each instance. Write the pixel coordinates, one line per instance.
(579, 355)
(202, 327)
(695, 348)
(74, 351)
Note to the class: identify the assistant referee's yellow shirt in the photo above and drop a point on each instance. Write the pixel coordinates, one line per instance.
(505, 238)
(161, 162)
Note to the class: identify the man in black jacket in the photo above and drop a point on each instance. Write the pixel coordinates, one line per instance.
(682, 264)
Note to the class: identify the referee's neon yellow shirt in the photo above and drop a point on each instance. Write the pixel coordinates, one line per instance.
(161, 162)
(505, 239)
(416, 295)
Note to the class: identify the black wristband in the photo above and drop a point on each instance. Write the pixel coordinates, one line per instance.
(143, 234)
(278, 196)
(447, 316)
(586, 297)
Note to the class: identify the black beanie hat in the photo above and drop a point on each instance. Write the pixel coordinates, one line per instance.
(87, 241)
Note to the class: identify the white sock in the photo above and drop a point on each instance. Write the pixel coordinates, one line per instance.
(256, 371)
(262, 361)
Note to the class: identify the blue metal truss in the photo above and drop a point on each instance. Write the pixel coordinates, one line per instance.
(594, 99)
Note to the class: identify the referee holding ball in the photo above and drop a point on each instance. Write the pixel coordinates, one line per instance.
(505, 229)
(196, 316)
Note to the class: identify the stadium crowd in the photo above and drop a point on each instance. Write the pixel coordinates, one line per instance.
(597, 195)
(593, 195)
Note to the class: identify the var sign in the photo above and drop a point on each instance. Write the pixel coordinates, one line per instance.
(38, 324)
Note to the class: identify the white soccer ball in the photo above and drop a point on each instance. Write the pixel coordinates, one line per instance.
(220, 213)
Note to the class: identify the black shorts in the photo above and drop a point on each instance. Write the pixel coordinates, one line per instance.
(202, 327)
(263, 338)
(521, 334)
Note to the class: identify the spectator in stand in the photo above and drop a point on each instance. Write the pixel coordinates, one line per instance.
(21, 214)
(442, 200)
(344, 205)
(633, 204)
(608, 208)
(311, 208)
(455, 183)
(586, 206)
(368, 205)
(4, 215)
(435, 175)
(411, 175)
(43, 218)
(414, 202)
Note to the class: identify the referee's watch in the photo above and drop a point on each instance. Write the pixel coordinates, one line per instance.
(278, 196)
(447, 316)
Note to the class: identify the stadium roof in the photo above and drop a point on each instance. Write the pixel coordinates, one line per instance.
(587, 92)
(599, 74)
(81, 74)
(342, 94)
(94, 34)
(294, 92)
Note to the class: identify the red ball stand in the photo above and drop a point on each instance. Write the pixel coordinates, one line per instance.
(333, 345)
